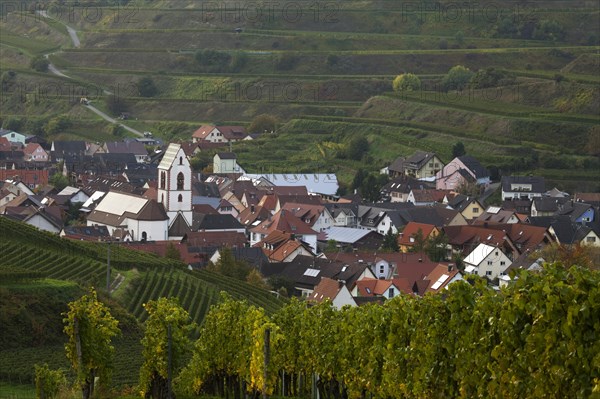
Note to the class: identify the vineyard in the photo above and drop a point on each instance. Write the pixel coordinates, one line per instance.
(196, 292)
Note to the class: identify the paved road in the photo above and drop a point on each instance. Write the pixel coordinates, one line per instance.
(113, 120)
(53, 69)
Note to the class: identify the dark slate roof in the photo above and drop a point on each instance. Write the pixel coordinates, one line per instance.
(151, 211)
(69, 147)
(96, 231)
(573, 209)
(474, 165)
(140, 174)
(460, 202)
(179, 227)
(548, 204)
(437, 215)
(335, 209)
(538, 184)
(215, 222)
(204, 189)
(126, 147)
(226, 155)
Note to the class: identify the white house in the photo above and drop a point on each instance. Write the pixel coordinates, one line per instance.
(226, 162)
(487, 261)
(334, 290)
(522, 187)
(13, 137)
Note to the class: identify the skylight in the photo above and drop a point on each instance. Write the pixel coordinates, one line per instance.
(312, 272)
(440, 281)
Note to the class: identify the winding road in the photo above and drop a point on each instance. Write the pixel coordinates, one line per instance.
(54, 70)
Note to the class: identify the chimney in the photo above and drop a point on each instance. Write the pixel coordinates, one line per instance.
(450, 267)
(252, 208)
(420, 260)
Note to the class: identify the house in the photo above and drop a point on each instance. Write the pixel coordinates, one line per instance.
(494, 214)
(13, 137)
(226, 208)
(464, 239)
(85, 233)
(567, 232)
(316, 216)
(286, 222)
(589, 198)
(380, 219)
(333, 290)
(226, 162)
(522, 187)
(205, 193)
(469, 207)
(216, 222)
(525, 237)
(371, 287)
(32, 178)
(75, 195)
(44, 218)
(420, 165)
(145, 219)
(34, 152)
(5, 145)
(128, 147)
(578, 212)
(60, 149)
(519, 206)
(438, 215)
(547, 206)
(348, 237)
(460, 171)
(422, 197)
(283, 247)
(305, 272)
(487, 261)
(406, 238)
(441, 277)
(344, 215)
(397, 189)
(253, 216)
(219, 134)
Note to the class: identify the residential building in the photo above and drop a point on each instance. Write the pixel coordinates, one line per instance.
(522, 187)
(487, 261)
(461, 171)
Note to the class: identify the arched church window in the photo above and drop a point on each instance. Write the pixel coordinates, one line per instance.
(163, 179)
(180, 160)
(180, 181)
(180, 198)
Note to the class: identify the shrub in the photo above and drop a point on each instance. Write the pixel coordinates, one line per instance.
(39, 64)
(406, 82)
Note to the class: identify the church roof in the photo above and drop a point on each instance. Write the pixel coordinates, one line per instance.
(170, 155)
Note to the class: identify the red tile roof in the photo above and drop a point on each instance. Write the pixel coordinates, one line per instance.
(327, 288)
(27, 176)
(283, 221)
(411, 230)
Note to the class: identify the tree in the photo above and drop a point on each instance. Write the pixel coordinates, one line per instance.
(48, 382)
(406, 82)
(458, 149)
(357, 147)
(146, 87)
(228, 266)
(263, 123)
(90, 328)
(457, 78)
(59, 181)
(390, 241)
(459, 37)
(12, 123)
(256, 279)
(58, 124)
(167, 334)
(491, 77)
(358, 178)
(420, 242)
(39, 64)
(172, 252)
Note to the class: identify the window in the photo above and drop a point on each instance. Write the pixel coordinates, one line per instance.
(163, 179)
(180, 160)
(391, 292)
(488, 273)
(502, 263)
(590, 239)
(381, 269)
(144, 236)
(180, 181)
(180, 198)
(475, 210)
(489, 262)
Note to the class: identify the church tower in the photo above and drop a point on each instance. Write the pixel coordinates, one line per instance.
(175, 184)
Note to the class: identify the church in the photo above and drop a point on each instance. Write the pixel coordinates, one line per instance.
(167, 217)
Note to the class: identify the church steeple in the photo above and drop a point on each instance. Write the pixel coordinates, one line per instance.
(175, 184)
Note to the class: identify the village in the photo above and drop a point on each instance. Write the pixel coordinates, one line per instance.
(430, 228)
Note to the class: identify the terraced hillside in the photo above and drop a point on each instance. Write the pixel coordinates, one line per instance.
(325, 70)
